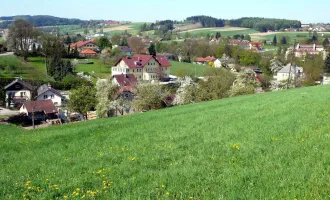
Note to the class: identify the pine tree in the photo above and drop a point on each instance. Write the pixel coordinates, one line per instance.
(76, 52)
(275, 41)
(34, 49)
(152, 49)
(327, 65)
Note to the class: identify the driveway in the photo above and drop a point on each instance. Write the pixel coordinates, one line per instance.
(5, 111)
(7, 54)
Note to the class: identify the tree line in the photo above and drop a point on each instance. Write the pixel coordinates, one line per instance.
(257, 23)
(41, 20)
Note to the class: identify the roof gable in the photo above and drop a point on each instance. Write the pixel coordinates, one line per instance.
(20, 82)
(139, 60)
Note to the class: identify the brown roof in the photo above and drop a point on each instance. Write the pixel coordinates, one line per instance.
(125, 79)
(81, 43)
(139, 60)
(46, 106)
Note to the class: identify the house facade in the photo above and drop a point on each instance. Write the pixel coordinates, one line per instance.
(289, 71)
(143, 67)
(302, 50)
(84, 45)
(41, 109)
(46, 92)
(17, 92)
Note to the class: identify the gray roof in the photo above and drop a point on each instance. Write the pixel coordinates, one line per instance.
(20, 81)
(286, 69)
(46, 87)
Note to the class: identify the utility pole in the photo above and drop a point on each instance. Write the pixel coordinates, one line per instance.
(292, 63)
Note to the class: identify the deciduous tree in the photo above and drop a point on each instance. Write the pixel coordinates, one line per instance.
(82, 100)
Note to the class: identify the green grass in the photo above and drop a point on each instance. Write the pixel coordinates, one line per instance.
(12, 66)
(223, 31)
(291, 36)
(267, 146)
(182, 68)
(99, 69)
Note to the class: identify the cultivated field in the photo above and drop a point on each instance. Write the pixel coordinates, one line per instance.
(187, 27)
(267, 146)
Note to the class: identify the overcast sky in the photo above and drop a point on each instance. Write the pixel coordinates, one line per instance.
(307, 11)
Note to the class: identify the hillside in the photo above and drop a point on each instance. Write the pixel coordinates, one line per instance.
(266, 146)
(40, 20)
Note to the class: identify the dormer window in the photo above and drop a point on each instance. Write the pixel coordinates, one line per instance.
(17, 86)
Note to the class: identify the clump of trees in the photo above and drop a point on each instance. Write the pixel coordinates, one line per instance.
(106, 93)
(83, 100)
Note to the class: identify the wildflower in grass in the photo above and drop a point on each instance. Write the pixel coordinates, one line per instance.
(132, 158)
(302, 140)
(167, 193)
(274, 139)
(65, 197)
(235, 147)
(27, 183)
(163, 186)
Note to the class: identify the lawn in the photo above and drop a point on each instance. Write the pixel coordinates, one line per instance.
(182, 68)
(12, 66)
(266, 146)
(97, 69)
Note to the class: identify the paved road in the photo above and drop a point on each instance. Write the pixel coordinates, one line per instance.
(5, 111)
(7, 54)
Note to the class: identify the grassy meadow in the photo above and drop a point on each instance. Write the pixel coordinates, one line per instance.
(291, 36)
(266, 146)
(225, 31)
(182, 69)
(100, 70)
(12, 66)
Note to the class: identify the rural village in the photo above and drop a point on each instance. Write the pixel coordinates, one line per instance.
(133, 107)
(135, 73)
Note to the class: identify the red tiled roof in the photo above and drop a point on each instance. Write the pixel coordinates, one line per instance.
(46, 106)
(207, 59)
(200, 59)
(139, 60)
(81, 43)
(88, 51)
(163, 61)
(125, 79)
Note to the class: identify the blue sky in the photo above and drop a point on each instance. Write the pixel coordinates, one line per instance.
(307, 11)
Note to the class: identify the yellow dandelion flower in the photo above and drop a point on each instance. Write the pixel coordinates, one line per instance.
(163, 186)
(167, 193)
(65, 197)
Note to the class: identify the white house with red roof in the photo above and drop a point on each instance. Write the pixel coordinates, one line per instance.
(143, 67)
(84, 45)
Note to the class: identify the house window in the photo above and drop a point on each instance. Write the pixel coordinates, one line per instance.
(55, 103)
(127, 70)
(23, 94)
(133, 70)
(45, 96)
(126, 95)
(52, 96)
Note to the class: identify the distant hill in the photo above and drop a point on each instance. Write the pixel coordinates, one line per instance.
(41, 20)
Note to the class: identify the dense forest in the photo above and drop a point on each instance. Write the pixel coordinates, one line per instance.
(41, 20)
(207, 21)
(259, 24)
(160, 27)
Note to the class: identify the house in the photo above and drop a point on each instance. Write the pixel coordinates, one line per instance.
(224, 61)
(244, 44)
(46, 92)
(17, 92)
(143, 67)
(288, 70)
(256, 46)
(83, 45)
(168, 56)
(88, 53)
(302, 50)
(126, 83)
(201, 60)
(112, 23)
(125, 50)
(42, 109)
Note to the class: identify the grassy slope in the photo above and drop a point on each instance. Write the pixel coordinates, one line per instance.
(266, 146)
(17, 68)
(181, 68)
(99, 69)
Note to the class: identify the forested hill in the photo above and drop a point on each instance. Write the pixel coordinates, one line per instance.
(257, 23)
(40, 20)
